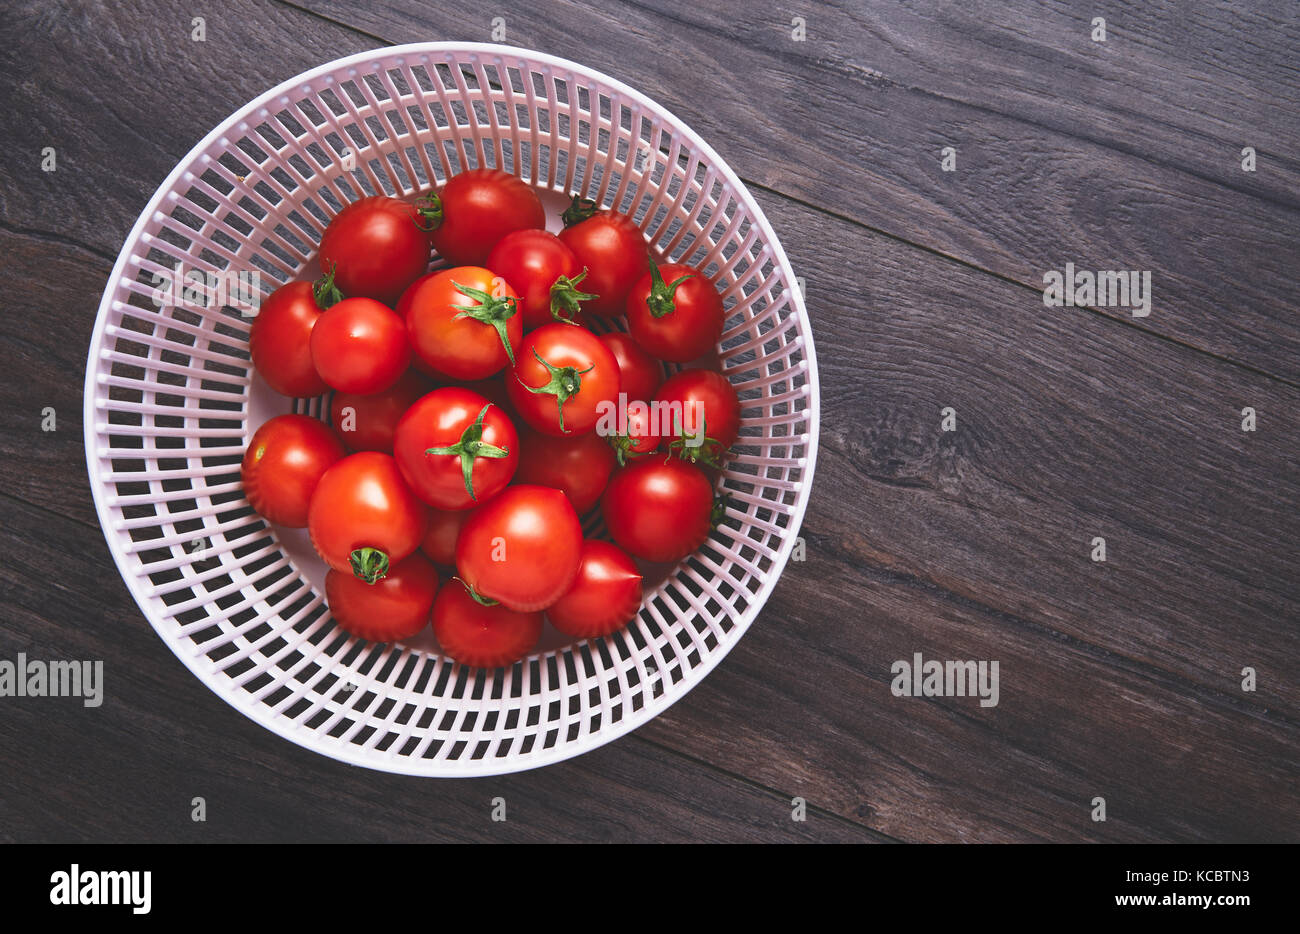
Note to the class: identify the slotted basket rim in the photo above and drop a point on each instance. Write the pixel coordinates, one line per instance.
(425, 53)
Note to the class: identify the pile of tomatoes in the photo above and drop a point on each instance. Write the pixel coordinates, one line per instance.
(474, 416)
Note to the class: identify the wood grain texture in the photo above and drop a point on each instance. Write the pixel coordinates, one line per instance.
(1119, 679)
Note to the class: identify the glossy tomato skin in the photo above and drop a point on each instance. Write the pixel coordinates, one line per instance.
(639, 373)
(444, 529)
(454, 347)
(367, 423)
(707, 392)
(531, 261)
(376, 248)
(579, 465)
(280, 341)
(440, 420)
(483, 636)
(362, 502)
(658, 508)
(640, 434)
(396, 607)
(479, 207)
(359, 346)
(521, 547)
(614, 251)
(572, 350)
(283, 464)
(605, 594)
(688, 332)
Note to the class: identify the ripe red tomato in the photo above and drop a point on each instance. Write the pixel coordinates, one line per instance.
(579, 465)
(634, 431)
(395, 607)
(710, 412)
(521, 547)
(612, 248)
(605, 595)
(544, 272)
(561, 377)
(359, 346)
(484, 636)
(280, 341)
(363, 517)
(639, 373)
(658, 509)
(475, 209)
(283, 464)
(375, 248)
(455, 449)
(463, 323)
(444, 528)
(675, 313)
(367, 423)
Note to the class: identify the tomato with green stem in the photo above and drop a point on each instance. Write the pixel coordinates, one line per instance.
(455, 448)
(363, 517)
(463, 323)
(562, 379)
(283, 464)
(545, 274)
(280, 339)
(473, 210)
(375, 248)
(612, 248)
(674, 313)
(639, 434)
(711, 414)
(395, 607)
(485, 636)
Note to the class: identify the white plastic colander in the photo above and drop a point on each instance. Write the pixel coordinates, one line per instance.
(171, 401)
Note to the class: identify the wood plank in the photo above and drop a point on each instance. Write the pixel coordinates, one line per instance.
(1068, 428)
(804, 704)
(45, 357)
(1026, 198)
(1185, 85)
(127, 771)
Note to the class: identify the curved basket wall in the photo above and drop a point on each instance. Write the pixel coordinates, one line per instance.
(171, 402)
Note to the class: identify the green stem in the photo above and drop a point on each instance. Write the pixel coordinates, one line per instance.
(325, 291)
(429, 209)
(491, 310)
(660, 300)
(369, 564)
(578, 211)
(708, 451)
(475, 595)
(470, 446)
(565, 382)
(566, 299)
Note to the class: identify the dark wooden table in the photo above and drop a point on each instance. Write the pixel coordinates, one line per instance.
(1119, 679)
